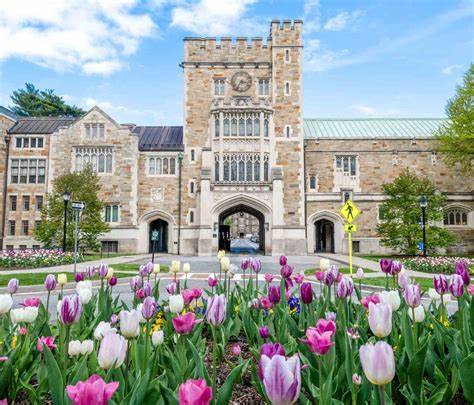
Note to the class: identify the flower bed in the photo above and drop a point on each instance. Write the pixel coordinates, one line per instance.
(440, 264)
(35, 258)
(281, 341)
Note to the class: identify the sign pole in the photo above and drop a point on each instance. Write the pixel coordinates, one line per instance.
(350, 253)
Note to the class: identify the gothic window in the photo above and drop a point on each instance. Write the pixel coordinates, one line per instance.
(233, 127)
(217, 126)
(249, 170)
(233, 169)
(99, 159)
(241, 170)
(287, 89)
(241, 127)
(455, 216)
(256, 169)
(263, 87)
(287, 55)
(219, 87)
(256, 126)
(226, 127)
(288, 131)
(241, 167)
(265, 127)
(347, 165)
(216, 167)
(226, 170)
(312, 182)
(165, 166)
(249, 127)
(265, 168)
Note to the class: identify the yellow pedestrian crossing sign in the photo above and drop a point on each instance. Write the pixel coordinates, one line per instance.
(350, 211)
(349, 228)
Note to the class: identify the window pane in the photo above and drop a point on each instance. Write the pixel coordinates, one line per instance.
(101, 163)
(165, 166)
(241, 127)
(114, 213)
(217, 126)
(241, 171)
(172, 165)
(265, 127)
(265, 171)
(233, 171)
(226, 171)
(94, 131)
(18, 142)
(249, 170)
(108, 163)
(33, 142)
(353, 166)
(256, 171)
(234, 127)
(151, 166)
(216, 169)
(249, 127)
(464, 219)
(101, 131)
(226, 127)
(346, 164)
(107, 213)
(158, 166)
(256, 125)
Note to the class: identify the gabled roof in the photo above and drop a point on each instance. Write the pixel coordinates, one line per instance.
(159, 138)
(382, 128)
(8, 113)
(40, 125)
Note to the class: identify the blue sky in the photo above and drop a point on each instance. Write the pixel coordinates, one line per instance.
(362, 58)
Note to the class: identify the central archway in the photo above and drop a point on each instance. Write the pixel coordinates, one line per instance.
(242, 230)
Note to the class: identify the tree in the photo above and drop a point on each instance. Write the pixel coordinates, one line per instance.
(400, 214)
(456, 139)
(31, 102)
(84, 187)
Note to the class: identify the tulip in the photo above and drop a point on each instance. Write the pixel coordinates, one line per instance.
(216, 309)
(456, 285)
(110, 273)
(470, 289)
(403, 279)
(70, 310)
(390, 297)
(255, 303)
(195, 392)
(325, 325)
(129, 323)
(380, 319)
(331, 316)
(197, 292)
(47, 341)
(462, 270)
(90, 271)
(385, 265)
(318, 343)
(112, 351)
(269, 349)
(433, 294)
(282, 379)
(356, 379)
(353, 333)
(62, 279)
(236, 350)
(157, 338)
(378, 362)
(136, 283)
(283, 260)
(225, 263)
(171, 288)
(412, 295)
(74, 348)
(299, 278)
(79, 277)
(140, 294)
(6, 303)
(359, 273)
(113, 281)
(176, 303)
(87, 347)
(335, 271)
(184, 324)
(149, 308)
(220, 255)
(156, 268)
(211, 281)
(13, 285)
(50, 282)
(274, 294)
(188, 296)
(345, 287)
(324, 264)
(175, 266)
(365, 301)
(85, 296)
(26, 314)
(320, 275)
(396, 267)
(147, 288)
(268, 277)
(328, 277)
(102, 329)
(186, 268)
(440, 283)
(286, 271)
(245, 264)
(102, 270)
(265, 302)
(306, 292)
(418, 313)
(256, 265)
(93, 390)
(264, 332)
(31, 302)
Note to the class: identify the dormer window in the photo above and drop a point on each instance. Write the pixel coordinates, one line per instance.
(94, 130)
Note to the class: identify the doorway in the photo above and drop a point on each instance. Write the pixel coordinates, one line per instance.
(324, 236)
(161, 244)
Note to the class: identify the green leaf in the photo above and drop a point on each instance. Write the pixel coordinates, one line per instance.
(201, 371)
(225, 392)
(466, 372)
(55, 378)
(437, 394)
(416, 370)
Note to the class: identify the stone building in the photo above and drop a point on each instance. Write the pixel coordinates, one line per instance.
(244, 149)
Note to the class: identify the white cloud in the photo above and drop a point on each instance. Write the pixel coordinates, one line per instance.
(318, 58)
(312, 16)
(216, 17)
(365, 109)
(91, 35)
(449, 70)
(375, 112)
(341, 20)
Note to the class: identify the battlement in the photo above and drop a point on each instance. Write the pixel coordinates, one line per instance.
(286, 24)
(227, 42)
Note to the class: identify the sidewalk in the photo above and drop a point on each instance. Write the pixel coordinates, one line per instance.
(69, 268)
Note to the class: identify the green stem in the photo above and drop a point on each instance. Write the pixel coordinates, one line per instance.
(320, 369)
(47, 304)
(147, 339)
(381, 394)
(66, 347)
(386, 281)
(127, 361)
(415, 331)
(225, 283)
(214, 363)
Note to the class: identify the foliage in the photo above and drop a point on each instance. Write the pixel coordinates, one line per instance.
(456, 139)
(400, 226)
(83, 186)
(436, 264)
(35, 258)
(32, 102)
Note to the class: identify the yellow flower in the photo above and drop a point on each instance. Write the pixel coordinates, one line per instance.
(62, 278)
(14, 339)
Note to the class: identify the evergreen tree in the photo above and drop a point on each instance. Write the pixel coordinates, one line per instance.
(400, 213)
(83, 186)
(456, 140)
(31, 102)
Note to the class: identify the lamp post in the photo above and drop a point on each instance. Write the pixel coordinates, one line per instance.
(180, 166)
(66, 198)
(423, 204)
(5, 190)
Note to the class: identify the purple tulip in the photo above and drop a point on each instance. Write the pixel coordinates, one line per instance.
(149, 268)
(142, 271)
(216, 310)
(13, 285)
(50, 282)
(70, 310)
(114, 319)
(396, 267)
(463, 271)
(79, 277)
(103, 270)
(283, 260)
(328, 277)
(256, 265)
(286, 271)
(456, 285)
(412, 295)
(330, 316)
(385, 265)
(306, 292)
(274, 294)
(345, 287)
(90, 271)
(282, 379)
(113, 281)
(246, 263)
(264, 332)
(403, 279)
(147, 288)
(269, 349)
(136, 283)
(440, 283)
(149, 308)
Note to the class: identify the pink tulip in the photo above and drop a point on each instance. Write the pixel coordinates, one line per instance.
(269, 349)
(374, 298)
(195, 392)
(320, 275)
(92, 391)
(378, 362)
(140, 294)
(47, 341)
(236, 350)
(245, 264)
(184, 324)
(31, 302)
(440, 283)
(456, 285)
(268, 277)
(274, 294)
(462, 269)
(356, 379)
(188, 296)
(299, 278)
(197, 292)
(264, 332)
(211, 281)
(283, 260)
(265, 302)
(318, 343)
(412, 295)
(286, 271)
(324, 325)
(385, 265)
(470, 289)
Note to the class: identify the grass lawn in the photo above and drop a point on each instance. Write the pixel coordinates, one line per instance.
(88, 257)
(376, 258)
(343, 270)
(134, 267)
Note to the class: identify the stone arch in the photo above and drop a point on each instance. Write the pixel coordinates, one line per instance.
(338, 226)
(144, 229)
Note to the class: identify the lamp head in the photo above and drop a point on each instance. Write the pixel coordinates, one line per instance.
(66, 196)
(423, 201)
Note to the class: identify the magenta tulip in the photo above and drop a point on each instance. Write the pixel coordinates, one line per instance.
(324, 325)
(328, 277)
(286, 271)
(256, 265)
(345, 287)
(320, 275)
(266, 303)
(456, 285)
(264, 332)
(70, 310)
(188, 296)
(184, 324)
(47, 341)
(396, 267)
(50, 282)
(318, 343)
(79, 277)
(283, 260)
(268, 278)
(236, 350)
(195, 392)
(365, 301)
(385, 265)
(113, 281)
(211, 281)
(274, 294)
(92, 391)
(216, 310)
(462, 270)
(245, 264)
(412, 295)
(31, 302)
(440, 283)
(306, 291)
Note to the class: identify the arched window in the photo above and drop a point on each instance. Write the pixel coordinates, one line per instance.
(191, 187)
(226, 171)
(165, 166)
(312, 182)
(241, 170)
(216, 167)
(249, 170)
(217, 126)
(173, 165)
(265, 127)
(233, 127)
(226, 127)
(256, 126)
(241, 127)
(249, 127)
(191, 217)
(455, 216)
(265, 170)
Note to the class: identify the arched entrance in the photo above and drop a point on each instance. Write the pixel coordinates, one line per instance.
(242, 230)
(161, 244)
(324, 236)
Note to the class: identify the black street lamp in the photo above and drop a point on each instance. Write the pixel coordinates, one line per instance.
(180, 166)
(66, 198)
(423, 204)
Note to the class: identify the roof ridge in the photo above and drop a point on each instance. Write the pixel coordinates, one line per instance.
(377, 119)
(61, 117)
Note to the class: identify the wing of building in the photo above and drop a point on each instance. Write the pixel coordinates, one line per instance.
(244, 165)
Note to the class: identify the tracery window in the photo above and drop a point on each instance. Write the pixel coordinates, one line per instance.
(160, 165)
(99, 159)
(241, 167)
(241, 124)
(455, 216)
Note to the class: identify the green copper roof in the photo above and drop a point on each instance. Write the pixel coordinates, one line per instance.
(382, 128)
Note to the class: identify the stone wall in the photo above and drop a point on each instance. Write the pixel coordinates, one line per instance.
(5, 124)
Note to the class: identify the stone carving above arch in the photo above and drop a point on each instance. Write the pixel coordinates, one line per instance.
(157, 214)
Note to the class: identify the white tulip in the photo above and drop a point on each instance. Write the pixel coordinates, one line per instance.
(176, 303)
(225, 263)
(186, 268)
(84, 295)
(74, 348)
(110, 273)
(30, 314)
(102, 329)
(324, 264)
(58, 306)
(16, 315)
(433, 294)
(138, 309)
(130, 323)
(87, 346)
(419, 313)
(175, 266)
(392, 298)
(6, 303)
(84, 285)
(220, 255)
(156, 268)
(157, 338)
